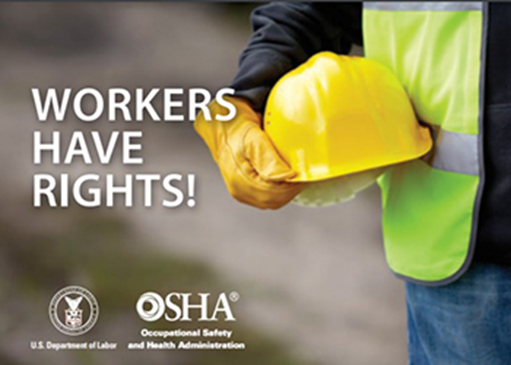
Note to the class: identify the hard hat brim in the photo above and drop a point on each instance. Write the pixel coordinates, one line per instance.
(325, 172)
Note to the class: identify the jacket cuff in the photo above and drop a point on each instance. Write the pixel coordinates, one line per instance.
(257, 74)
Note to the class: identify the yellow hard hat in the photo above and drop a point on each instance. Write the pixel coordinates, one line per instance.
(336, 115)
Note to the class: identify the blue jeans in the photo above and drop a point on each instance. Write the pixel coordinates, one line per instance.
(467, 322)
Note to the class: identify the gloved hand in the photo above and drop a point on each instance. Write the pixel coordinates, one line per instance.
(252, 169)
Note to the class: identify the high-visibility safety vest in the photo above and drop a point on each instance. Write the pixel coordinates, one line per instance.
(430, 206)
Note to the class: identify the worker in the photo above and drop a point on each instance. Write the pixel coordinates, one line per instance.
(445, 217)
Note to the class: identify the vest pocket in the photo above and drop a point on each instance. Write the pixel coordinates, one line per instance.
(427, 220)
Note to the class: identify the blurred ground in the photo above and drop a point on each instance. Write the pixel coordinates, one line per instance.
(312, 281)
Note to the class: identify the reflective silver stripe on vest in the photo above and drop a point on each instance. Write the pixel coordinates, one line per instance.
(455, 152)
(424, 6)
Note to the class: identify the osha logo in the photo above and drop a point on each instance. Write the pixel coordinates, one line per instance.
(186, 307)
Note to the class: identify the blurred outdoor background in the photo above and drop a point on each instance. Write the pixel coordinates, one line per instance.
(314, 285)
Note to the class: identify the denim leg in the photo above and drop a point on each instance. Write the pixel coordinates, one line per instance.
(416, 354)
(467, 322)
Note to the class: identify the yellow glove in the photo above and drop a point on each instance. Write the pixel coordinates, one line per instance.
(252, 169)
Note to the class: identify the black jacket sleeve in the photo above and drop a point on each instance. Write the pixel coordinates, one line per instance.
(285, 34)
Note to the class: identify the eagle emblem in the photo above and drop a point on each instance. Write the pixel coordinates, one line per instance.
(73, 312)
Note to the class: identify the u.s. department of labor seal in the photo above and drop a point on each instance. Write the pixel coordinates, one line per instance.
(73, 310)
